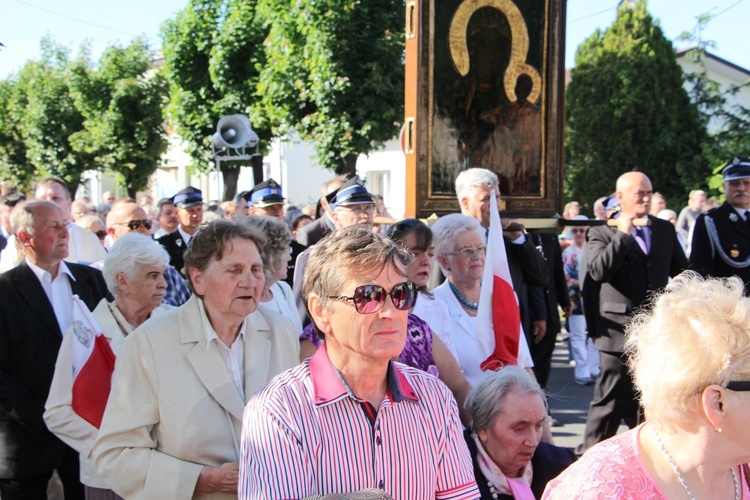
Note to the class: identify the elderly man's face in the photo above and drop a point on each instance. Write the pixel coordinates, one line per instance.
(738, 193)
(231, 287)
(352, 215)
(477, 204)
(376, 336)
(514, 434)
(49, 243)
(270, 211)
(635, 194)
(168, 218)
(119, 218)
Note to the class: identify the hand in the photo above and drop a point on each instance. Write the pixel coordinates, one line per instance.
(224, 478)
(625, 223)
(568, 310)
(512, 235)
(540, 329)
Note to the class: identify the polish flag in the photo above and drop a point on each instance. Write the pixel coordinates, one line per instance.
(498, 318)
(93, 364)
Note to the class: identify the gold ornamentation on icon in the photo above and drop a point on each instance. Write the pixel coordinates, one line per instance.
(519, 42)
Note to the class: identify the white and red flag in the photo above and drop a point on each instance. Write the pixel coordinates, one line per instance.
(498, 318)
(93, 364)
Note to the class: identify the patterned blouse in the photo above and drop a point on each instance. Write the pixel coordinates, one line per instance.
(417, 351)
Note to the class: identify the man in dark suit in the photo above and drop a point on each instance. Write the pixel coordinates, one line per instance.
(629, 261)
(189, 202)
(35, 311)
(721, 237)
(323, 225)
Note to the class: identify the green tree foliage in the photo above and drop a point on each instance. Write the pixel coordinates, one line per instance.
(122, 101)
(334, 74)
(14, 168)
(49, 122)
(212, 52)
(728, 124)
(627, 110)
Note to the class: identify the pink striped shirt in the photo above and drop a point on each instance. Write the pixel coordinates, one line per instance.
(305, 433)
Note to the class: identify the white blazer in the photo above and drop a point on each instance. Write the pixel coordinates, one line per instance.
(470, 355)
(173, 407)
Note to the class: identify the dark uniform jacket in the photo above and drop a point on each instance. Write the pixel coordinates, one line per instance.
(176, 248)
(721, 245)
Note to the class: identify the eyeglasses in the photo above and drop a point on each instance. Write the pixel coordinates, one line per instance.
(469, 253)
(578, 230)
(101, 234)
(366, 209)
(369, 299)
(739, 385)
(135, 224)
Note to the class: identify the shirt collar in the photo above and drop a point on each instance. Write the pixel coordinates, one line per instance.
(209, 330)
(41, 273)
(186, 237)
(329, 386)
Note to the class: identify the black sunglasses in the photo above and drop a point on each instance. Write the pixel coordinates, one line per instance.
(369, 299)
(135, 224)
(739, 385)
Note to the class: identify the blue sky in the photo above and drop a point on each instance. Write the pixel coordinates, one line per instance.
(24, 22)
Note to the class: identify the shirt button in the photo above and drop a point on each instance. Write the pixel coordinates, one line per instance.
(378, 441)
(381, 484)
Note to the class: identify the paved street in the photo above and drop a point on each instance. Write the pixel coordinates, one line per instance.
(569, 402)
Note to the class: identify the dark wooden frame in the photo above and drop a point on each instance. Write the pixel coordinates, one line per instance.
(420, 42)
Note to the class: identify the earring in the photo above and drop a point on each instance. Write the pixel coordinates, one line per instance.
(718, 429)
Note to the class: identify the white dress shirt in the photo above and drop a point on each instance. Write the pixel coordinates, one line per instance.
(233, 357)
(59, 292)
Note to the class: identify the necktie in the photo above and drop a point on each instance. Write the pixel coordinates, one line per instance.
(640, 237)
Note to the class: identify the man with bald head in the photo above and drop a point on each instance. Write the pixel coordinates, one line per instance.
(629, 260)
(324, 225)
(35, 310)
(130, 217)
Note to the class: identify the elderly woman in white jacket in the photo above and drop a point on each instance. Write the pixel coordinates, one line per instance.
(134, 272)
(461, 252)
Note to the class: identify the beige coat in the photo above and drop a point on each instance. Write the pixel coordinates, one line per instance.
(173, 407)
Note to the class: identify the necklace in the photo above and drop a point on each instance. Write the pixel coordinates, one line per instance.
(462, 299)
(678, 473)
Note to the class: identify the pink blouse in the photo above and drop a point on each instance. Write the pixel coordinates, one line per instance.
(612, 470)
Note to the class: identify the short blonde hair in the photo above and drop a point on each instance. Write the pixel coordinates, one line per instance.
(696, 333)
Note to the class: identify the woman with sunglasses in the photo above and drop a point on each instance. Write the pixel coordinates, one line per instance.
(582, 348)
(461, 252)
(689, 354)
(423, 350)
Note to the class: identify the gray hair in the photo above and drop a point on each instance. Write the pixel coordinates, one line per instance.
(488, 398)
(129, 252)
(448, 227)
(88, 221)
(23, 216)
(473, 178)
(352, 252)
(278, 239)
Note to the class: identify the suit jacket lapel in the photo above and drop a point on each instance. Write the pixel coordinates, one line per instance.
(31, 290)
(257, 353)
(206, 360)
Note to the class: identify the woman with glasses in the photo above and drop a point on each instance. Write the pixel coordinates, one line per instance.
(582, 347)
(690, 358)
(461, 252)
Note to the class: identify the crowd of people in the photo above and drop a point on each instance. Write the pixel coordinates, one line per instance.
(249, 349)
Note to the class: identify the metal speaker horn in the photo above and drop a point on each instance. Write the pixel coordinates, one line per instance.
(234, 131)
